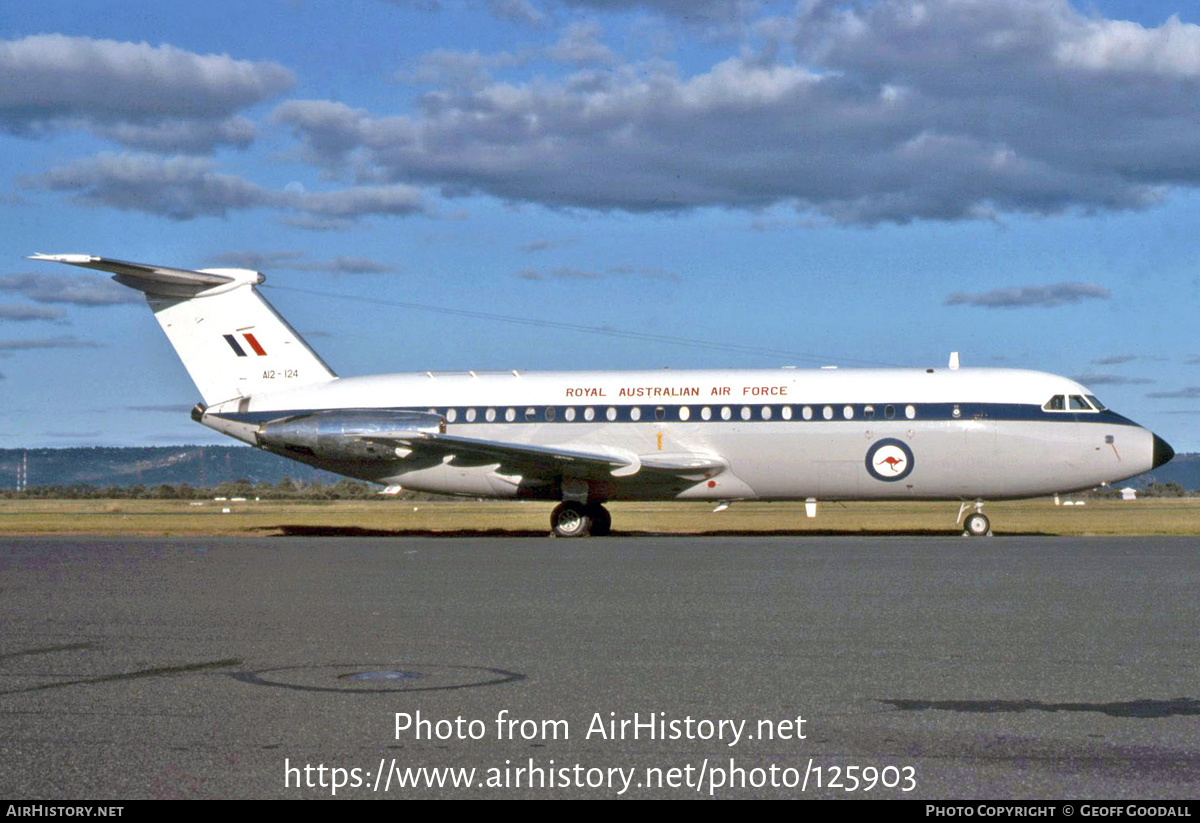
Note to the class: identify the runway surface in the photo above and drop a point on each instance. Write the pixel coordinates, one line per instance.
(1024, 667)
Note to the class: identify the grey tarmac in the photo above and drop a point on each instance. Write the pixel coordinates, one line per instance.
(1009, 667)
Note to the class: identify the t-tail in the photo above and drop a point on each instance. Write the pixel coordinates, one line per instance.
(231, 340)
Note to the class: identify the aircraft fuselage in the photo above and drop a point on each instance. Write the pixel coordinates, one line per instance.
(781, 434)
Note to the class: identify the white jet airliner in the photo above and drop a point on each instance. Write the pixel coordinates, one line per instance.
(585, 438)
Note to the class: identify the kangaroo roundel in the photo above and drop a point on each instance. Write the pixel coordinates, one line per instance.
(889, 460)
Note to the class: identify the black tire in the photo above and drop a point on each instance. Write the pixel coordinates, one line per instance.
(601, 520)
(977, 525)
(570, 519)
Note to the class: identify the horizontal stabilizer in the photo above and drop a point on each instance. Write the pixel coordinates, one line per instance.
(157, 281)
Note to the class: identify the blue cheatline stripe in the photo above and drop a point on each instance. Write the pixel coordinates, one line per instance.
(554, 415)
(233, 343)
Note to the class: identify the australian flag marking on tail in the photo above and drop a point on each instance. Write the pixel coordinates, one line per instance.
(250, 339)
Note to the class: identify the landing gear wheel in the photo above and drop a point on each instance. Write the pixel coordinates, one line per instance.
(977, 525)
(601, 520)
(570, 519)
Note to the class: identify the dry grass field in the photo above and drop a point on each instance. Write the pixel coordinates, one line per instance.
(402, 518)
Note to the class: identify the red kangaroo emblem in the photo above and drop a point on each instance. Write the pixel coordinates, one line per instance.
(893, 463)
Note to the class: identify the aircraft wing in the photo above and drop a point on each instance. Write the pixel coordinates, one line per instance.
(530, 460)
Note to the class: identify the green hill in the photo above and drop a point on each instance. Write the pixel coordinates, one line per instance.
(198, 466)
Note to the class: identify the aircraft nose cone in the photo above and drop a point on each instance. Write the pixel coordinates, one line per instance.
(1162, 451)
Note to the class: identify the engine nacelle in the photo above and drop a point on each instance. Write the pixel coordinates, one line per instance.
(342, 435)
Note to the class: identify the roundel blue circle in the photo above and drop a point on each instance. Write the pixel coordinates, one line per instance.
(889, 460)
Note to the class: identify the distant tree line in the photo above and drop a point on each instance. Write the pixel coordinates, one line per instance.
(285, 489)
(1163, 490)
(150, 466)
(1149, 490)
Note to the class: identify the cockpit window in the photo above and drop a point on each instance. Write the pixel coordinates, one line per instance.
(1074, 402)
(1099, 406)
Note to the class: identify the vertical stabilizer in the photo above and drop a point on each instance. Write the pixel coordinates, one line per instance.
(231, 340)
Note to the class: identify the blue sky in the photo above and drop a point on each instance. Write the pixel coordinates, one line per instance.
(850, 182)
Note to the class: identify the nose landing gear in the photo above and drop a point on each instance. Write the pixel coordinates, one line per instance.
(975, 524)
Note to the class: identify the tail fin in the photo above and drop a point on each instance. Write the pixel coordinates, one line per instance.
(231, 340)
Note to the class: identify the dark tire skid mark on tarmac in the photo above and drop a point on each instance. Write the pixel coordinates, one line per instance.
(157, 671)
(70, 647)
(1180, 706)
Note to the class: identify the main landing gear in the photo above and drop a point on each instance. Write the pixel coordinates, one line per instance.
(976, 524)
(573, 519)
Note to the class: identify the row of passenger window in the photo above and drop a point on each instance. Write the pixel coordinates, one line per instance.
(531, 414)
